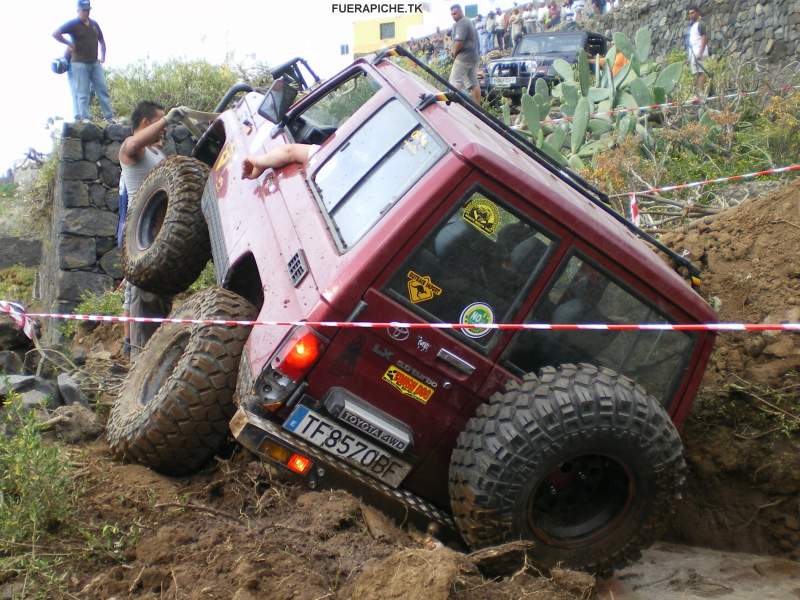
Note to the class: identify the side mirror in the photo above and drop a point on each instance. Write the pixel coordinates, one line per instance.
(277, 101)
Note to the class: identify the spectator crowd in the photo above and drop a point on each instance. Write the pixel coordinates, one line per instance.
(500, 30)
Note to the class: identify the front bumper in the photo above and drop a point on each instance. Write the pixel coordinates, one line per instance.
(252, 430)
(514, 86)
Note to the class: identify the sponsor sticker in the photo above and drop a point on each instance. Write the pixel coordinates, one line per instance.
(477, 313)
(483, 215)
(421, 288)
(407, 384)
(221, 182)
(225, 156)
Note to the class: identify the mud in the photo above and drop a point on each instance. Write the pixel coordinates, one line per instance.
(673, 572)
(741, 437)
(239, 530)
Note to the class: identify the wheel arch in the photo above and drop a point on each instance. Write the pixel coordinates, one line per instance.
(244, 279)
(210, 143)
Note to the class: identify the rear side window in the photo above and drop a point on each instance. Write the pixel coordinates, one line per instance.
(373, 169)
(583, 294)
(474, 268)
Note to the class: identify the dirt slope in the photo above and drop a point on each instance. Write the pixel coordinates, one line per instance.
(237, 531)
(742, 438)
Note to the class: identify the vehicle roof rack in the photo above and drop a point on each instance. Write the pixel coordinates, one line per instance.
(566, 175)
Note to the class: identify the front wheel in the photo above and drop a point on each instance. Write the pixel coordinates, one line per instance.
(580, 460)
(173, 411)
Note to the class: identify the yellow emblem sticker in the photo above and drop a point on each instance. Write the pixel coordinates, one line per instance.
(483, 215)
(225, 156)
(421, 288)
(407, 385)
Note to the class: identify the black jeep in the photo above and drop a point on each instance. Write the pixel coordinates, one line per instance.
(533, 58)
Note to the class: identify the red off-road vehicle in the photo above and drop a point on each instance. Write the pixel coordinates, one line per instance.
(417, 208)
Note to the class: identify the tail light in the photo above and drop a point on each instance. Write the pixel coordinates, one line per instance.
(291, 460)
(299, 352)
(299, 464)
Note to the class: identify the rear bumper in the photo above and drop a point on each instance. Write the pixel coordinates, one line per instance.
(251, 431)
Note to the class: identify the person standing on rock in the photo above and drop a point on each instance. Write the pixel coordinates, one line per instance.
(697, 47)
(138, 154)
(464, 75)
(87, 67)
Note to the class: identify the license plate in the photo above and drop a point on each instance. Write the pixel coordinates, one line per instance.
(504, 81)
(346, 445)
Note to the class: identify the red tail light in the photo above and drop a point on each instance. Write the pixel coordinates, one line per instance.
(300, 352)
(299, 464)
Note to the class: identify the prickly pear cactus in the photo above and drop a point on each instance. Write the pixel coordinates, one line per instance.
(588, 95)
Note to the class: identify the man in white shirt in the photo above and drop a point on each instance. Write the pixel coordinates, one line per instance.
(697, 46)
(529, 19)
(541, 15)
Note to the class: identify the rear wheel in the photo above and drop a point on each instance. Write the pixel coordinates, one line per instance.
(173, 411)
(166, 241)
(580, 460)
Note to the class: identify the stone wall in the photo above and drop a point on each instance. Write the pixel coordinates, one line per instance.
(19, 251)
(81, 253)
(765, 29)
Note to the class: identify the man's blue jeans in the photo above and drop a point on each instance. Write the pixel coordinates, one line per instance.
(88, 76)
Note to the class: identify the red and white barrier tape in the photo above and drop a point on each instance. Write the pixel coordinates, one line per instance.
(399, 324)
(694, 184)
(665, 105)
(19, 316)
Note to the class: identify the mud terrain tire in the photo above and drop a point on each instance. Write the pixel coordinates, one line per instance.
(166, 241)
(580, 460)
(173, 411)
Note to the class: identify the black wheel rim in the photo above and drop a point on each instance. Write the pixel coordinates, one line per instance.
(152, 219)
(581, 499)
(158, 376)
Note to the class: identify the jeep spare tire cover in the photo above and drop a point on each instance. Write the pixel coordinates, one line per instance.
(173, 411)
(166, 243)
(580, 459)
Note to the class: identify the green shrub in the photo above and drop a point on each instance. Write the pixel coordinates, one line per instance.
(36, 492)
(27, 211)
(197, 84)
(780, 122)
(16, 284)
(7, 190)
(207, 279)
(107, 303)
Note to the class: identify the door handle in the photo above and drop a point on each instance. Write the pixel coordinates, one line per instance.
(455, 361)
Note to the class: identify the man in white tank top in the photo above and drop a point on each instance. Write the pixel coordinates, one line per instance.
(697, 46)
(139, 153)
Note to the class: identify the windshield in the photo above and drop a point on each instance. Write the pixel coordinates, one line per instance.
(547, 44)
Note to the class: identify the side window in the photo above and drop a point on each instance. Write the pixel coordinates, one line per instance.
(473, 268)
(320, 120)
(374, 168)
(583, 294)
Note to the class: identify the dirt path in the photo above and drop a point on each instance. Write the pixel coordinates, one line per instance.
(238, 530)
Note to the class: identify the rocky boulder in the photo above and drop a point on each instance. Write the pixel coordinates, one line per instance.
(35, 392)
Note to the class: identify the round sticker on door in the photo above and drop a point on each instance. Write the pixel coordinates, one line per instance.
(477, 313)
